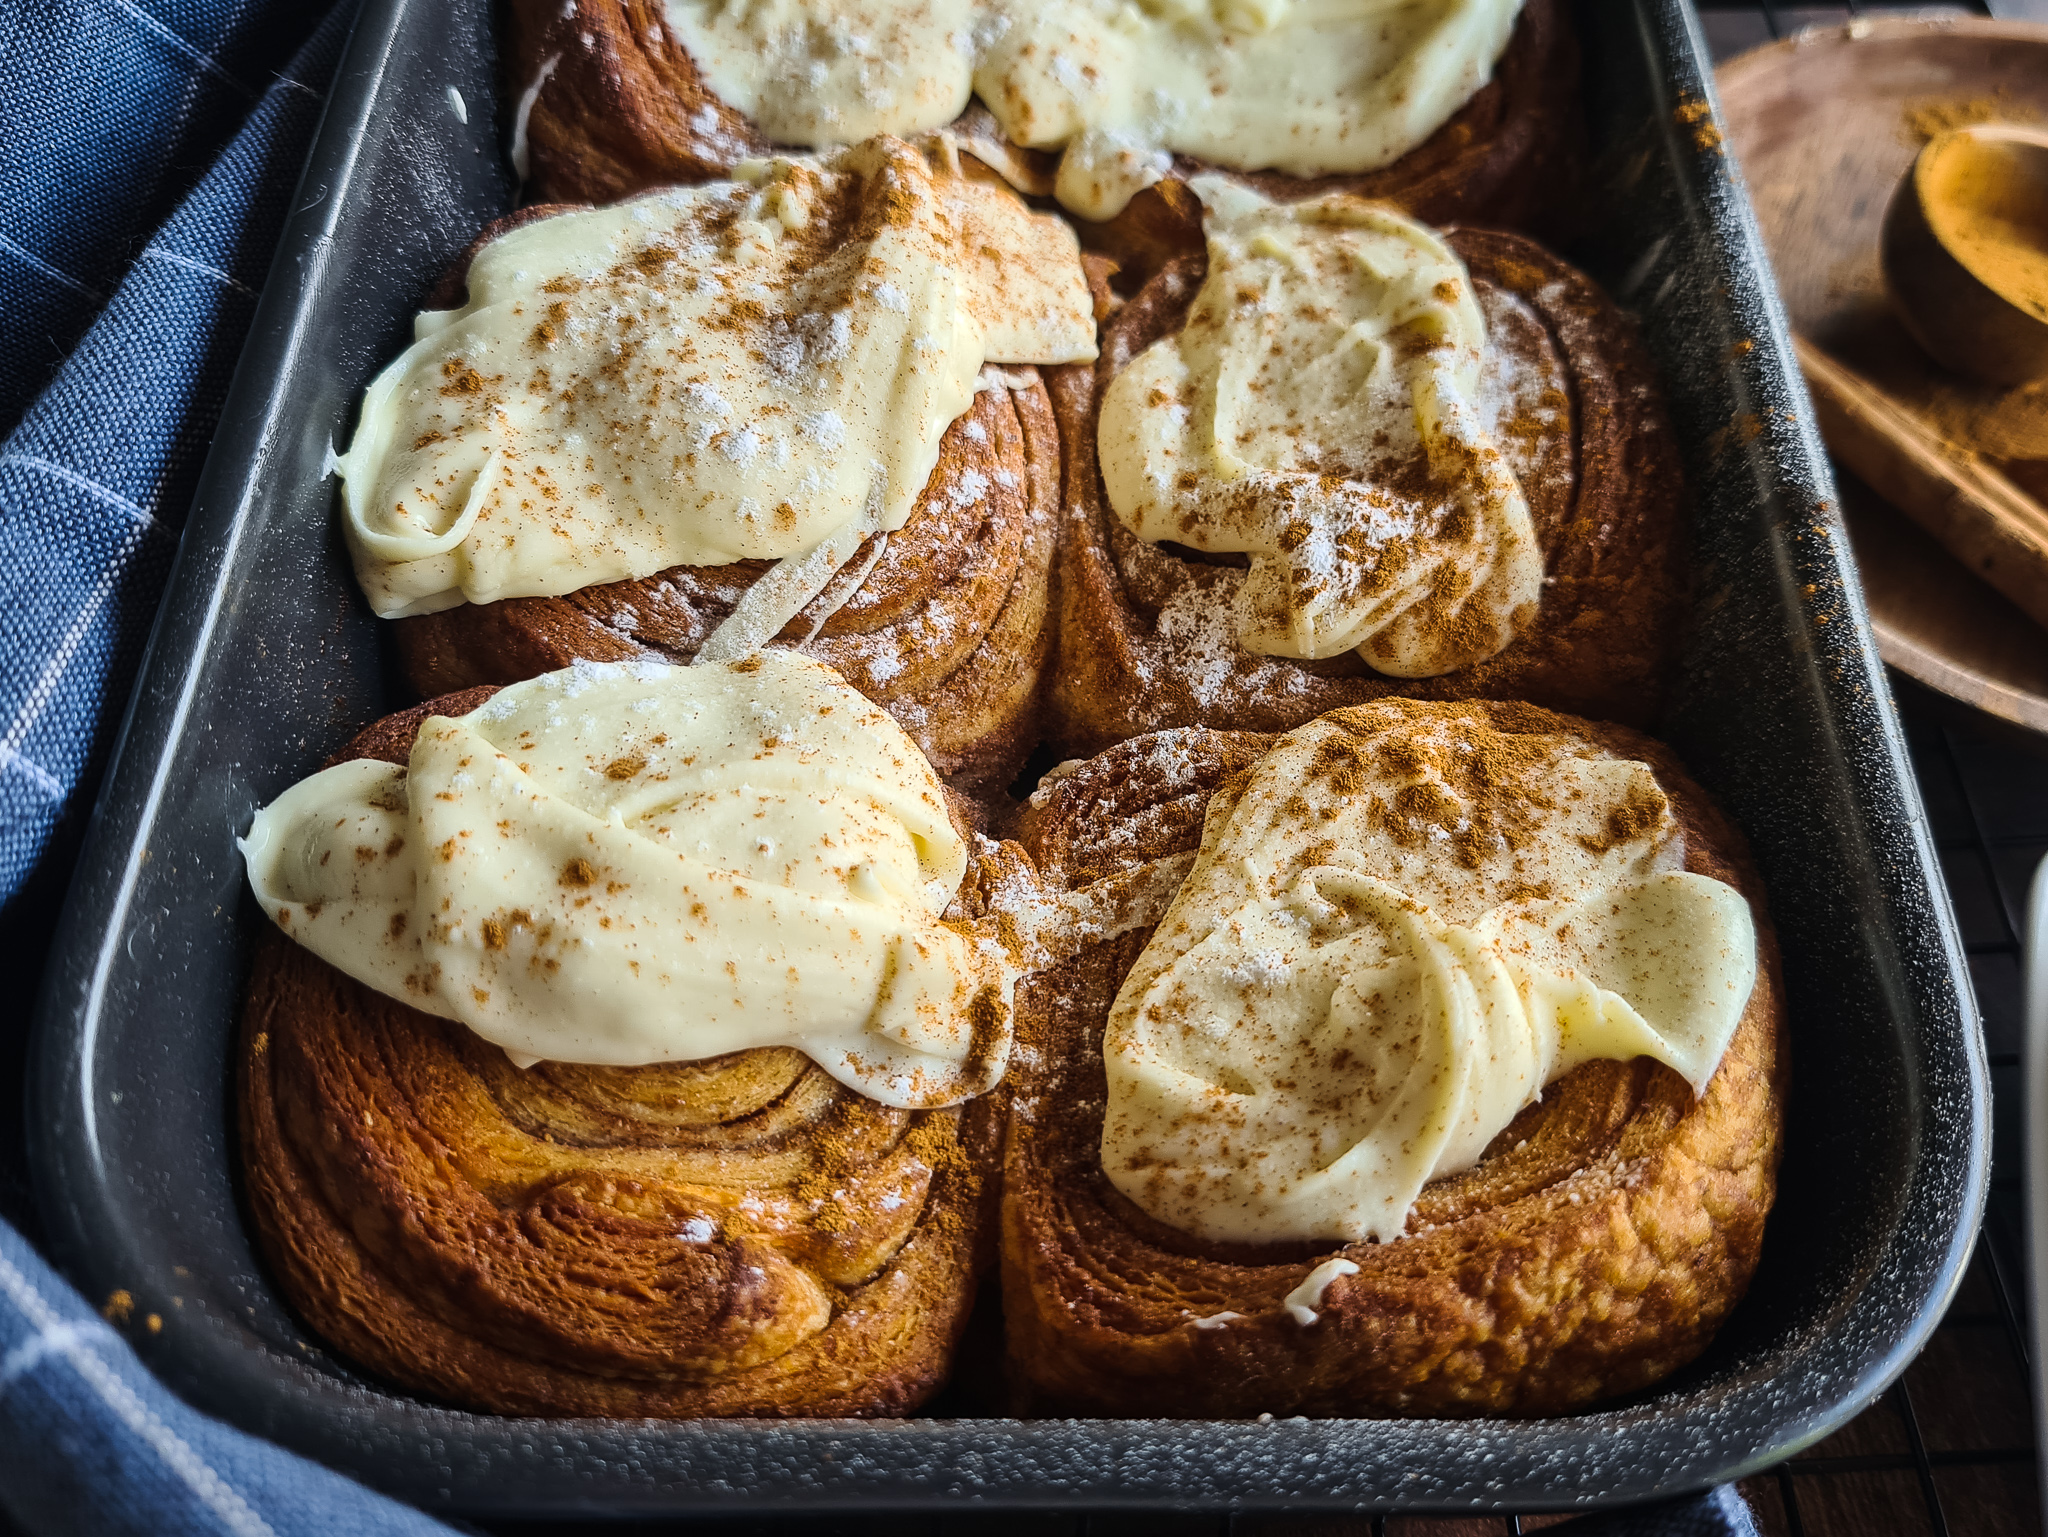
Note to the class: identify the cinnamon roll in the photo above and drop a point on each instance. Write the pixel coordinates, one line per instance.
(613, 1057)
(1509, 157)
(794, 409)
(1300, 481)
(1456, 110)
(950, 630)
(1451, 1083)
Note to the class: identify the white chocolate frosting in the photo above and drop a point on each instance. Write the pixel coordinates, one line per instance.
(708, 374)
(1387, 946)
(1309, 87)
(1320, 412)
(640, 863)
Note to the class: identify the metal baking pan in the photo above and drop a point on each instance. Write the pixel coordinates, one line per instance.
(265, 659)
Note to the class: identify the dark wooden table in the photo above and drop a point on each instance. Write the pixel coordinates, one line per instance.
(1950, 1449)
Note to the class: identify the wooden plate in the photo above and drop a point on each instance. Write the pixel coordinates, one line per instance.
(1824, 125)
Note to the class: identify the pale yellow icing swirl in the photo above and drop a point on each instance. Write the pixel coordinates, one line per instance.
(640, 863)
(1388, 945)
(747, 369)
(1320, 411)
(1304, 86)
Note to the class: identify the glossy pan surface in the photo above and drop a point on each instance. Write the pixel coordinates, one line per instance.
(265, 659)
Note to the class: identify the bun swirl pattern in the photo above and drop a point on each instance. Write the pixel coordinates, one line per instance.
(949, 626)
(606, 103)
(1595, 1247)
(1147, 638)
(740, 1236)
(743, 1236)
(950, 632)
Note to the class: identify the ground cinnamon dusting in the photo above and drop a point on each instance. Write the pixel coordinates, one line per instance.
(2001, 422)
(1990, 216)
(1495, 796)
(1694, 113)
(1929, 117)
(1636, 817)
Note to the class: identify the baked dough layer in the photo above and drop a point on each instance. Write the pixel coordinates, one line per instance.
(740, 1236)
(1598, 464)
(1594, 1249)
(951, 632)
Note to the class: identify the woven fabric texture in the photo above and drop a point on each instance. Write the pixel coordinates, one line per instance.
(91, 1443)
(148, 151)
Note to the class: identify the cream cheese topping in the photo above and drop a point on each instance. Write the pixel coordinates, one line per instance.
(1310, 87)
(1320, 412)
(1302, 1302)
(1387, 946)
(702, 375)
(639, 863)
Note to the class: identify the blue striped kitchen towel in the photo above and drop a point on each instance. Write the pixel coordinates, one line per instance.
(148, 149)
(90, 1443)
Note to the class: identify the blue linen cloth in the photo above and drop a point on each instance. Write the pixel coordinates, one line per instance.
(91, 1443)
(148, 150)
(108, 111)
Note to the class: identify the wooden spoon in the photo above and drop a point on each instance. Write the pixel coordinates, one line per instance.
(1986, 521)
(1965, 251)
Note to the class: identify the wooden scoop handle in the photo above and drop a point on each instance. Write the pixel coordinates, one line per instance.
(1980, 516)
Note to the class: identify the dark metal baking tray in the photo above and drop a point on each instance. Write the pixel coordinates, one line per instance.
(265, 659)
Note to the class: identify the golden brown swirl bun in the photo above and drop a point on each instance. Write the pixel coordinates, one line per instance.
(1588, 438)
(1509, 156)
(951, 632)
(623, 109)
(1595, 1248)
(740, 1236)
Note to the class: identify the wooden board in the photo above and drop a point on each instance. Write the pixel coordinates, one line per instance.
(1824, 124)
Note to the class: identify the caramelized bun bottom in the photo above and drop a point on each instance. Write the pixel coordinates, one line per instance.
(1596, 1247)
(739, 1236)
(1588, 438)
